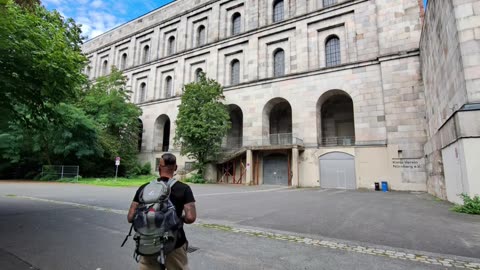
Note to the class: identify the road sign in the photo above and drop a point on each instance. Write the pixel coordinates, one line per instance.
(117, 163)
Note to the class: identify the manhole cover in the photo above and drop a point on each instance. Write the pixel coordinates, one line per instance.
(191, 249)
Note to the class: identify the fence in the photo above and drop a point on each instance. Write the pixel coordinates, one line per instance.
(233, 143)
(61, 171)
(338, 141)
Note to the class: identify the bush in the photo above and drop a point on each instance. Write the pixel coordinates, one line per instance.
(49, 177)
(196, 179)
(146, 169)
(470, 205)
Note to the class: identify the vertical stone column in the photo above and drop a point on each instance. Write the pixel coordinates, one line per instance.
(295, 167)
(249, 176)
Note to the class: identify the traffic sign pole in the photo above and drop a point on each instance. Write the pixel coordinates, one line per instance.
(117, 163)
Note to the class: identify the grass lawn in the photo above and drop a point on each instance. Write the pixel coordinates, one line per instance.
(111, 182)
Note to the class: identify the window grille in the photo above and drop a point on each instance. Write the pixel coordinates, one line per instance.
(235, 72)
(327, 3)
(279, 63)
(278, 11)
(236, 23)
(332, 51)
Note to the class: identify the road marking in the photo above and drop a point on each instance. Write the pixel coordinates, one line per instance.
(440, 259)
(323, 190)
(241, 192)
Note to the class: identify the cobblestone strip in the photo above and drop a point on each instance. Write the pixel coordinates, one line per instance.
(445, 262)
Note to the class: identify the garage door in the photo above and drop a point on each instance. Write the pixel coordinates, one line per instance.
(275, 170)
(337, 170)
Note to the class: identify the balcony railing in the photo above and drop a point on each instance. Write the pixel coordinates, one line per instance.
(233, 143)
(338, 141)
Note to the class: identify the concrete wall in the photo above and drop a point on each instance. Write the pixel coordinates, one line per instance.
(450, 55)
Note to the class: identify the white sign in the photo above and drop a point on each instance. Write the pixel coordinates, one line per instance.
(117, 162)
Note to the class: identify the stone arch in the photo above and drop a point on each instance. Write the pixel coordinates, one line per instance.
(335, 119)
(235, 133)
(161, 135)
(277, 121)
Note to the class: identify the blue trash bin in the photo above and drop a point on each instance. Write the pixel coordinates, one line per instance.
(384, 186)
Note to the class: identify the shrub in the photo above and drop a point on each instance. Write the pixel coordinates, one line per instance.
(470, 205)
(196, 179)
(146, 169)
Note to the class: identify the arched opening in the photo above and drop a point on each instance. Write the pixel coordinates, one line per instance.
(337, 170)
(161, 134)
(201, 35)
(332, 51)
(104, 68)
(236, 23)
(171, 45)
(278, 11)
(335, 119)
(146, 54)
(168, 87)
(279, 63)
(277, 122)
(142, 93)
(235, 72)
(140, 135)
(235, 133)
(123, 61)
(198, 74)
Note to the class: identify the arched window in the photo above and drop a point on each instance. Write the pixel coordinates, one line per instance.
(123, 61)
(327, 3)
(332, 51)
(236, 23)
(168, 87)
(235, 72)
(277, 10)
(142, 94)
(104, 68)
(171, 45)
(146, 54)
(278, 63)
(201, 35)
(198, 73)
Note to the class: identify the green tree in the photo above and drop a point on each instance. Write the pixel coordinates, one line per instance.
(41, 61)
(202, 121)
(107, 102)
(73, 136)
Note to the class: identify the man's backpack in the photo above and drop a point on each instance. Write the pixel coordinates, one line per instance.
(156, 223)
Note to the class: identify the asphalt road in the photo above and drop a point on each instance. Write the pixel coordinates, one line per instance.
(38, 230)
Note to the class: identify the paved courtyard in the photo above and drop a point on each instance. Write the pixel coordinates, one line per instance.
(64, 226)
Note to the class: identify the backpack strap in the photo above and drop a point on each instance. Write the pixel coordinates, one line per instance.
(171, 182)
(129, 234)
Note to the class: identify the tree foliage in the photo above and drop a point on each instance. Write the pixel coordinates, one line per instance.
(202, 120)
(41, 61)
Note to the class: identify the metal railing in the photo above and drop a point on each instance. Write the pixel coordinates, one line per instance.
(233, 143)
(338, 141)
(61, 171)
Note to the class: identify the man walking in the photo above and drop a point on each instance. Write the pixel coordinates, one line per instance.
(182, 198)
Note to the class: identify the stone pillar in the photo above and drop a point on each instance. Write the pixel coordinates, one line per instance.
(294, 166)
(249, 176)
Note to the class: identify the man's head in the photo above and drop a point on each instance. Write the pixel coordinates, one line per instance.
(167, 165)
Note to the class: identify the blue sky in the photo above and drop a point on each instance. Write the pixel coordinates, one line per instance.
(99, 16)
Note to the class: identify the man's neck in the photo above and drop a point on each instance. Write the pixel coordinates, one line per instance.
(164, 178)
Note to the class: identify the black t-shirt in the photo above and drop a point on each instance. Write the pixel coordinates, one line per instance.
(180, 195)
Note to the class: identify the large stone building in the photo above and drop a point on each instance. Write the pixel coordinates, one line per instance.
(321, 92)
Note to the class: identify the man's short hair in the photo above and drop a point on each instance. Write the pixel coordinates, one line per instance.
(169, 159)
